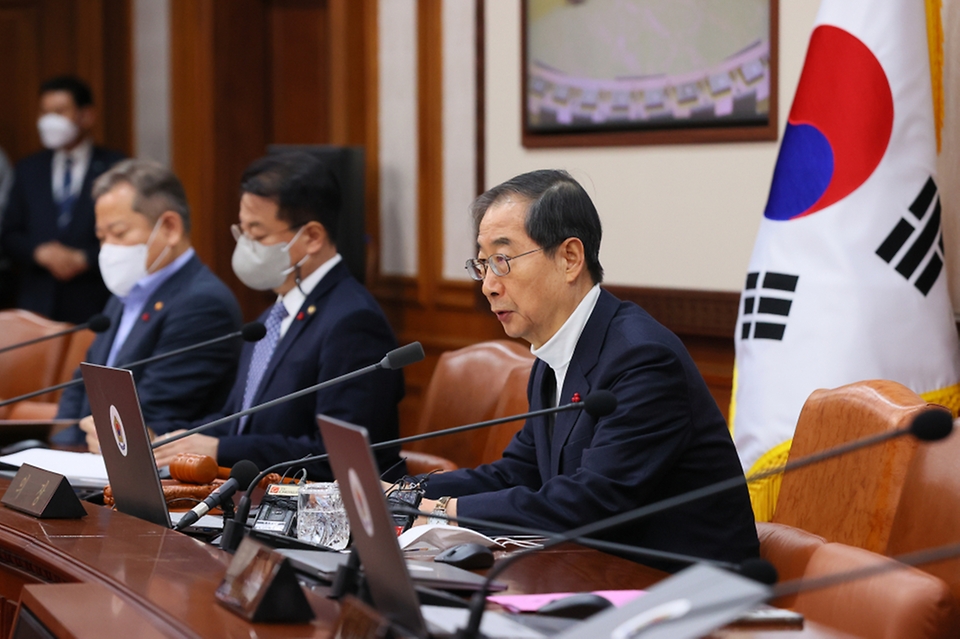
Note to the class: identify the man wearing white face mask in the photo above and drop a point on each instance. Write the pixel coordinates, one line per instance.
(48, 228)
(164, 299)
(323, 324)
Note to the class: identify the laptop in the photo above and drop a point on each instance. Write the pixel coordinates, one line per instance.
(375, 539)
(125, 446)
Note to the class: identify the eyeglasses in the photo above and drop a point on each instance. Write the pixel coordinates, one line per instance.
(498, 263)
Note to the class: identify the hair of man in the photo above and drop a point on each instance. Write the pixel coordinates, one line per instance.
(80, 90)
(304, 187)
(157, 189)
(559, 208)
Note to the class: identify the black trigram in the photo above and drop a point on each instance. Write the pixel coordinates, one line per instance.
(912, 242)
(771, 297)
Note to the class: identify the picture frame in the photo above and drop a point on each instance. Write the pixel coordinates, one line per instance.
(718, 83)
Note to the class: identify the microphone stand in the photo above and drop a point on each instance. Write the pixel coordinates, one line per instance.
(923, 427)
(244, 332)
(396, 358)
(98, 324)
(233, 530)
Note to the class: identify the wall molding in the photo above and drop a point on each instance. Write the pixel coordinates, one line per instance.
(686, 311)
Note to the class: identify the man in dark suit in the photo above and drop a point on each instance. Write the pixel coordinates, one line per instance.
(538, 258)
(164, 299)
(48, 228)
(323, 324)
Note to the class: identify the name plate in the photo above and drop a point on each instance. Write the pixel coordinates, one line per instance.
(357, 620)
(260, 586)
(43, 494)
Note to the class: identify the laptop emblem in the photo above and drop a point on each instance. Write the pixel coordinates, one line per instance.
(118, 433)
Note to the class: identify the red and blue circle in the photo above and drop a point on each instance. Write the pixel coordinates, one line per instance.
(838, 129)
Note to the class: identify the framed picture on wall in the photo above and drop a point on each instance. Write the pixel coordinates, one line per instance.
(621, 72)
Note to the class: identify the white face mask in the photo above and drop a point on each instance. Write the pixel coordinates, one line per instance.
(121, 267)
(262, 267)
(56, 131)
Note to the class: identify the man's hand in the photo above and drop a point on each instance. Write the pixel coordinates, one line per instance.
(63, 262)
(200, 444)
(87, 426)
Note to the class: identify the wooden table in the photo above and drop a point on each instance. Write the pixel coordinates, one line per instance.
(109, 574)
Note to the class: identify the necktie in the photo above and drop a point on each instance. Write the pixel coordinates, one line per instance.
(66, 196)
(262, 353)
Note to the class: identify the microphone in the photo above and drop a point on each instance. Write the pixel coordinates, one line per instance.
(240, 475)
(598, 404)
(397, 358)
(252, 332)
(97, 323)
(929, 425)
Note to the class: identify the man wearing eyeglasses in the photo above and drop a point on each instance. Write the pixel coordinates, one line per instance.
(538, 242)
(323, 324)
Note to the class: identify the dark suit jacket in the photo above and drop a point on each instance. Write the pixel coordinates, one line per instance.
(192, 306)
(339, 329)
(31, 220)
(665, 438)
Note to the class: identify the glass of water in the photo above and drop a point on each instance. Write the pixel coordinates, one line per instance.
(321, 518)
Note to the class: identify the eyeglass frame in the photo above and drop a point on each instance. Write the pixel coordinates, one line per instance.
(479, 266)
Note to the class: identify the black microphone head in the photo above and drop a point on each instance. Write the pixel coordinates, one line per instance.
(759, 570)
(932, 425)
(253, 331)
(244, 471)
(600, 403)
(98, 323)
(400, 357)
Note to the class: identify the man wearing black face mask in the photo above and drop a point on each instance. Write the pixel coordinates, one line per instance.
(323, 324)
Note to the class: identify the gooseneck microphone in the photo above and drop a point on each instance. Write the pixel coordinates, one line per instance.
(931, 425)
(252, 332)
(241, 474)
(598, 404)
(97, 323)
(397, 358)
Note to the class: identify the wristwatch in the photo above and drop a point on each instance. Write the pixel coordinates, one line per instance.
(440, 509)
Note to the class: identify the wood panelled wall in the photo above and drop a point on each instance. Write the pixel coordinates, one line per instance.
(248, 73)
(40, 39)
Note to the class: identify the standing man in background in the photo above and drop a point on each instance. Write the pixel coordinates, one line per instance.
(48, 228)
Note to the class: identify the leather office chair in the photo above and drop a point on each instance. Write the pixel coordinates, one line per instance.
(33, 409)
(902, 603)
(929, 511)
(466, 387)
(789, 549)
(32, 367)
(850, 499)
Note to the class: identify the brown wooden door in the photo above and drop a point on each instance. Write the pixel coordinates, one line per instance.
(247, 74)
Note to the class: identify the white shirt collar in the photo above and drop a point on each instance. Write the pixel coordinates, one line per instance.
(296, 296)
(558, 350)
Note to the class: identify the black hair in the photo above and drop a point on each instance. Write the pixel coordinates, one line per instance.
(304, 188)
(157, 189)
(80, 90)
(559, 209)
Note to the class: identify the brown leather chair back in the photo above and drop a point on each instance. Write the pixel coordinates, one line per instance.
(75, 353)
(929, 512)
(466, 387)
(32, 367)
(850, 499)
(513, 401)
(902, 603)
(789, 549)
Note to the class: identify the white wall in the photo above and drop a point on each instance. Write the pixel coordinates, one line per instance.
(151, 80)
